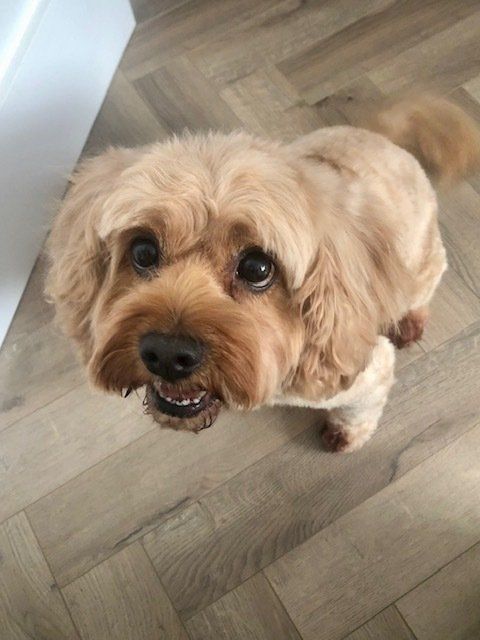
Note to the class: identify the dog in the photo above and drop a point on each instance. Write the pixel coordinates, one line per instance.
(230, 271)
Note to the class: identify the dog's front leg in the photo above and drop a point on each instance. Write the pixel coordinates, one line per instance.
(354, 414)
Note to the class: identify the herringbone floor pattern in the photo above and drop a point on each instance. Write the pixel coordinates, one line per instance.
(111, 529)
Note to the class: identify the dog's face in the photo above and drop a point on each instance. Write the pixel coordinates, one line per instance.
(200, 318)
(175, 269)
(197, 270)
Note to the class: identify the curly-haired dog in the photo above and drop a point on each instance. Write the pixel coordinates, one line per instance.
(225, 270)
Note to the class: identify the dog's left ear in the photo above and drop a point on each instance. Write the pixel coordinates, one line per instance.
(347, 299)
(340, 329)
(77, 254)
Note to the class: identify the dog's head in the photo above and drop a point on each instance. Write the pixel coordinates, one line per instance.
(198, 270)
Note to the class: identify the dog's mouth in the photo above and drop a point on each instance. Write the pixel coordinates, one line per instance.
(184, 404)
(180, 404)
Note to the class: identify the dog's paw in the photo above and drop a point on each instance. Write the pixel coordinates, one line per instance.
(409, 329)
(335, 438)
(338, 438)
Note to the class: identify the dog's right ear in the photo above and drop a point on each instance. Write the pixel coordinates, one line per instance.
(77, 256)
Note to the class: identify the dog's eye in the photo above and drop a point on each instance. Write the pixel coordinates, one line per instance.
(256, 269)
(144, 254)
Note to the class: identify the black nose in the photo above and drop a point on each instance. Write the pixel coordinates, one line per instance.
(171, 357)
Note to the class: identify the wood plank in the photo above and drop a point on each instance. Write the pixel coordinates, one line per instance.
(460, 224)
(335, 62)
(468, 97)
(350, 105)
(122, 598)
(383, 548)
(182, 98)
(34, 311)
(46, 449)
(269, 106)
(30, 603)
(473, 87)
(162, 38)
(273, 38)
(446, 606)
(404, 357)
(123, 497)
(453, 58)
(145, 9)
(37, 364)
(453, 308)
(124, 119)
(273, 506)
(386, 625)
(250, 611)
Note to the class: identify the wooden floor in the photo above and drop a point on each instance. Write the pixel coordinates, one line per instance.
(113, 529)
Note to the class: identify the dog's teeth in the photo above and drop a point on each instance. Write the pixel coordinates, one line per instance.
(184, 402)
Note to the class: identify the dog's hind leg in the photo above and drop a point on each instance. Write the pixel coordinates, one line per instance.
(353, 415)
(433, 263)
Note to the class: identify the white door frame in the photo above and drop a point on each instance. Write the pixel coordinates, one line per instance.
(59, 57)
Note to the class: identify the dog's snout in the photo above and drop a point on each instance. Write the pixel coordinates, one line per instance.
(171, 357)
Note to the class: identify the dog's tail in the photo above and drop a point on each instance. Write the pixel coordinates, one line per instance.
(443, 138)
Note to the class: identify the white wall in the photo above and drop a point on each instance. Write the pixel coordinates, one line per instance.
(58, 59)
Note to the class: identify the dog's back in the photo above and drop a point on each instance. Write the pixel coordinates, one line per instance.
(365, 176)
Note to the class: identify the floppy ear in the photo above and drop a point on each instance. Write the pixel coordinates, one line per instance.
(340, 330)
(345, 304)
(78, 258)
